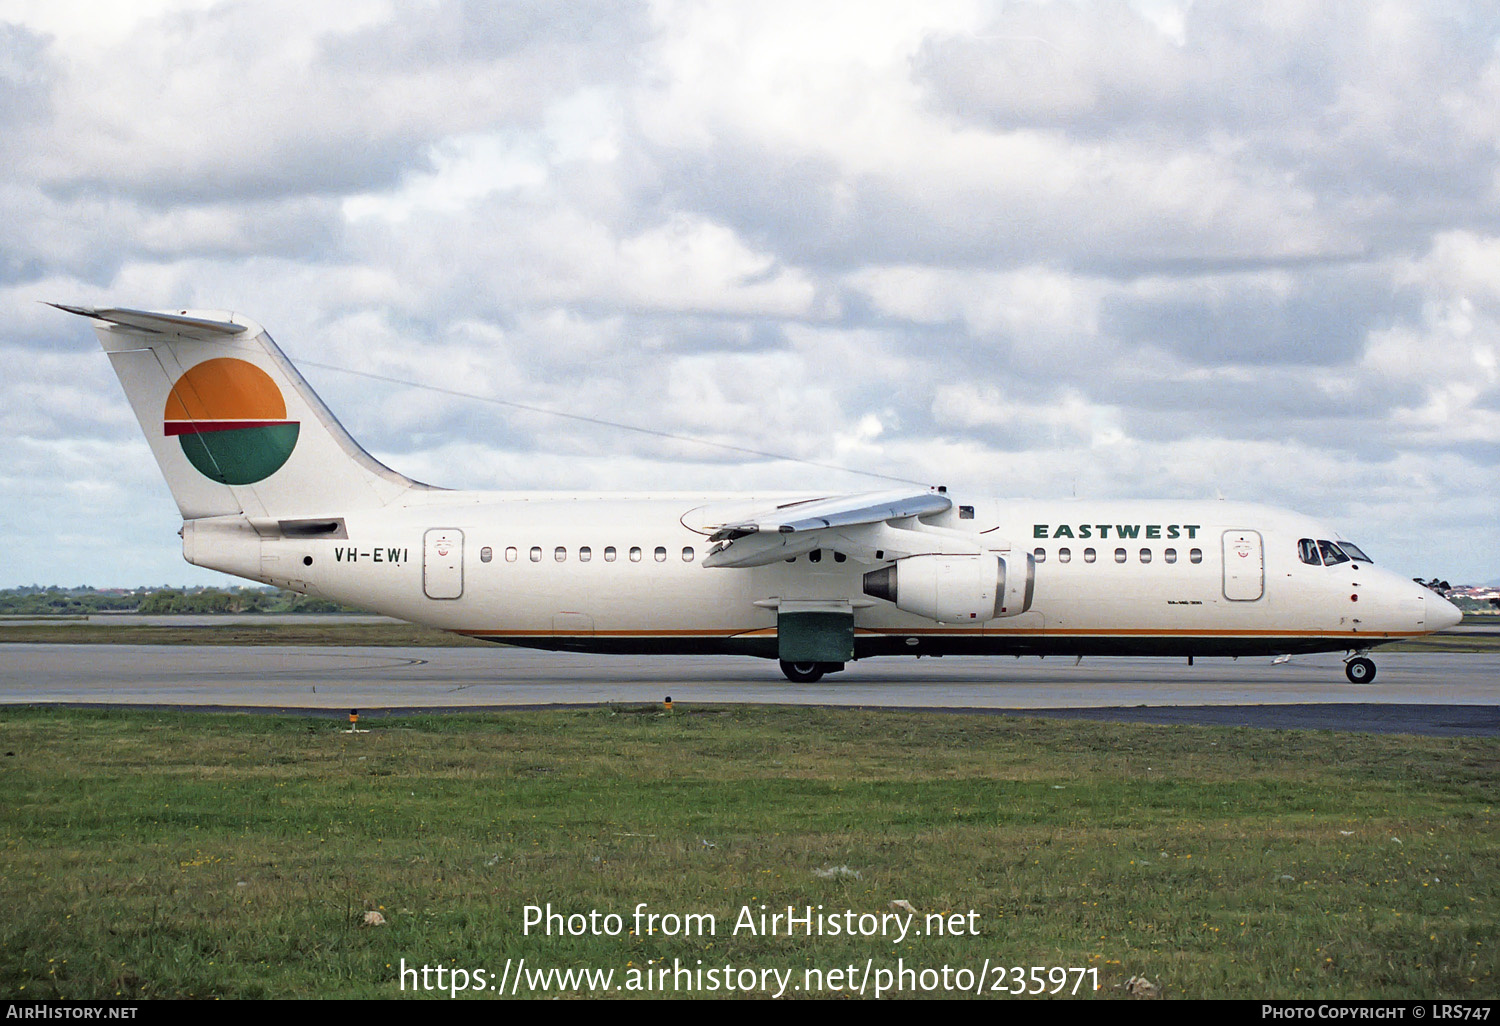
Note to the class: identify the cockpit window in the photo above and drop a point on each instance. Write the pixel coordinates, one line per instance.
(1307, 551)
(1331, 553)
(1353, 552)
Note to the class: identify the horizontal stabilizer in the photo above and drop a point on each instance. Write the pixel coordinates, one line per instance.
(155, 323)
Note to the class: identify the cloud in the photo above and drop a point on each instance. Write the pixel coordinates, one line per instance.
(1379, 117)
(1318, 316)
(27, 77)
(1117, 249)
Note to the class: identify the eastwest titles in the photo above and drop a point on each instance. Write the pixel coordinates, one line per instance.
(1121, 531)
(751, 921)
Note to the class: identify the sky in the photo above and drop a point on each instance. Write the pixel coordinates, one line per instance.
(1158, 249)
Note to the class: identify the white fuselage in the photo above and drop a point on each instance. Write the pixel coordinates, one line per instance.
(271, 487)
(624, 573)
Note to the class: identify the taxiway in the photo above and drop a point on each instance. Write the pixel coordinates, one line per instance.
(1428, 693)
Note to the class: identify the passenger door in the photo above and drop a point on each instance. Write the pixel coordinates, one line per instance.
(443, 563)
(1244, 566)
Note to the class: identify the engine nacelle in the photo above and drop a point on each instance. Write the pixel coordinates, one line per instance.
(957, 588)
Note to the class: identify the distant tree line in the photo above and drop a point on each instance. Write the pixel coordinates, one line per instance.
(54, 601)
(1468, 605)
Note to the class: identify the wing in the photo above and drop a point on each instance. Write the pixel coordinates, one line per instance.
(852, 524)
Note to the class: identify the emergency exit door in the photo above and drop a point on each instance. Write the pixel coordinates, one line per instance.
(443, 563)
(1244, 566)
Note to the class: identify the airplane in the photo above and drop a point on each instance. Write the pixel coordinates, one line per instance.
(273, 489)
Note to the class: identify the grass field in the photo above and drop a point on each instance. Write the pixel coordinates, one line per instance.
(154, 854)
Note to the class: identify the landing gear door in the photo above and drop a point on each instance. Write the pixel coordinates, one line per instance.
(443, 563)
(1244, 566)
(815, 631)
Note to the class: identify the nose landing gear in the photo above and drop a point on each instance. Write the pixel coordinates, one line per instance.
(1359, 670)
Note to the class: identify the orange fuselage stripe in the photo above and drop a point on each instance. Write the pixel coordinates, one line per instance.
(1038, 631)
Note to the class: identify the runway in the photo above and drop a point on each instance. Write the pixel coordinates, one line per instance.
(1441, 693)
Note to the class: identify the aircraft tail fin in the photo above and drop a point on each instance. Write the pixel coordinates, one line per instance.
(234, 427)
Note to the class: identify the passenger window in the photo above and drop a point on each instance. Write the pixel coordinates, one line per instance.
(511, 554)
(661, 554)
(839, 557)
(1307, 551)
(1145, 555)
(1064, 555)
(560, 554)
(815, 556)
(1120, 555)
(536, 553)
(609, 553)
(1040, 554)
(1170, 555)
(635, 553)
(1089, 555)
(687, 553)
(966, 512)
(1195, 556)
(585, 554)
(1331, 553)
(486, 554)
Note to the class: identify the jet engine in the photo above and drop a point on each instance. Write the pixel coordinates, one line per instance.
(957, 588)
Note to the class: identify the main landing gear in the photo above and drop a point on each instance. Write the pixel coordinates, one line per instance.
(1359, 670)
(808, 673)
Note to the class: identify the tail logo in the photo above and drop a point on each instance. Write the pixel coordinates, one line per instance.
(231, 420)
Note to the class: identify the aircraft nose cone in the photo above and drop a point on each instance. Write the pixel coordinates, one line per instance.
(1444, 614)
